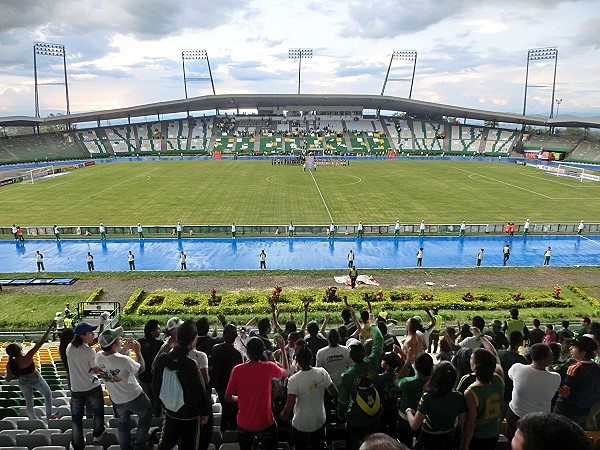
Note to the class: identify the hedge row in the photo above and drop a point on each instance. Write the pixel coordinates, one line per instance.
(584, 296)
(257, 303)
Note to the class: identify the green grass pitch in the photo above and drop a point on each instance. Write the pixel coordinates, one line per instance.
(256, 192)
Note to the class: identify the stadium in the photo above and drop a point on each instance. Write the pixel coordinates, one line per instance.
(195, 188)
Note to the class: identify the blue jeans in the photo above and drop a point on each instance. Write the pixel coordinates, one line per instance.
(27, 385)
(78, 400)
(143, 408)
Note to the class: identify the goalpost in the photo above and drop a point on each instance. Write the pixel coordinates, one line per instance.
(577, 172)
(40, 172)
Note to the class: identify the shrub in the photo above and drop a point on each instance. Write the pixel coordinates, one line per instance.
(95, 296)
(134, 302)
(583, 295)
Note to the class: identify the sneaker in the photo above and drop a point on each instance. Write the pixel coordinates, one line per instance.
(99, 438)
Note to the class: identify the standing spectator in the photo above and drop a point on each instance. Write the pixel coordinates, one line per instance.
(435, 332)
(250, 388)
(505, 254)
(306, 390)
(547, 255)
(331, 230)
(420, 257)
(20, 234)
(183, 260)
(182, 425)
(544, 431)
(422, 228)
(580, 388)
(233, 230)
(479, 257)
(397, 229)
(131, 260)
(39, 261)
(584, 326)
(463, 228)
(179, 229)
(241, 341)
(263, 260)
(334, 358)
(119, 372)
(140, 231)
(14, 230)
(291, 230)
(439, 408)
(549, 335)
(65, 339)
(90, 262)
(515, 324)
(497, 337)
(22, 367)
(102, 230)
(350, 259)
(56, 232)
(60, 325)
(353, 274)
(314, 339)
(360, 420)
(349, 323)
(225, 358)
(533, 386)
(526, 228)
(536, 335)
(580, 228)
(85, 385)
(510, 357)
(150, 346)
(484, 401)
(360, 230)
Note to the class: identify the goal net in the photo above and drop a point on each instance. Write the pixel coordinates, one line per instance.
(578, 173)
(40, 172)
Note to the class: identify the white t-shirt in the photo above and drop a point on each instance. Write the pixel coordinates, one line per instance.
(178, 227)
(130, 257)
(119, 374)
(309, 387)
(533, 389)
(81, 361)
(335, 360)
(240, 345)
(140, 229)
(471, 342)
(201, 361)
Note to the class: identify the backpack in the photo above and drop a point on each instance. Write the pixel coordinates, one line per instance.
(171, 391)
(367, 397)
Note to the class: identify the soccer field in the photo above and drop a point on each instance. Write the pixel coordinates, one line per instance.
(256, 192)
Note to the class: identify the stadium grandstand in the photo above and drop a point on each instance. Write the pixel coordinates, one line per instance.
(270, 125)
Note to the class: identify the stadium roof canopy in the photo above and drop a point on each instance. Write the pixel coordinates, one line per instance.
(303, 102)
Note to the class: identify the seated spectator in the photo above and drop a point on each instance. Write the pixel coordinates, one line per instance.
(584, 326)
(546, 431)
(533, 386)
(438, 410)
(564, 327)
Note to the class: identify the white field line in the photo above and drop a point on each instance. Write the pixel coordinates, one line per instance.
(315, 181)
(596, 186)
(118, 184)
(504, 182)
(26, 185)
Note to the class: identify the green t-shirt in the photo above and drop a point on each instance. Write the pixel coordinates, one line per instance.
(369, 368)
(389, 392)
(489, 407)
(411, 390)
(441, 412)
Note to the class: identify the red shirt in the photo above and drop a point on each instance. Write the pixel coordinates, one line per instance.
(251, 382)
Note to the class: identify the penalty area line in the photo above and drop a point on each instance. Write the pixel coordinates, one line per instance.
(504, 182)
(118, 184)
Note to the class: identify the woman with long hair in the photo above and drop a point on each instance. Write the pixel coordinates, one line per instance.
(306, 389)
(438, 410)
(22, 367)
(484, 401)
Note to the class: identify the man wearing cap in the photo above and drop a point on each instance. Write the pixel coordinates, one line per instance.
(497, 337)
(85, 385)
(580, 388)
(119, 374)
(171, 331)
(183, 425)
(60, 325)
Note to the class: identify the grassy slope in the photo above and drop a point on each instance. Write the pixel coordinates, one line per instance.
(254, 192)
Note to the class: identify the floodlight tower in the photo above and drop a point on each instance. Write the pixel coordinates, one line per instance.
(402, 55)
(47, 49)
(558, 102)
(196, 55)
(299, 53)
(537, 54)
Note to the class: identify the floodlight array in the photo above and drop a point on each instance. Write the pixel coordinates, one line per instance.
(542, 53)
(404, 55)
(298, 53)
(194, 54)
(41, 48)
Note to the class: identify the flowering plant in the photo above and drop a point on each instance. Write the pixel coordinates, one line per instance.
(378, 295)
(517, 296)
(468, 297)
(556, 292)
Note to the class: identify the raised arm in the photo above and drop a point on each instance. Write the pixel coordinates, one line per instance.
(431, 318)
(39, 343)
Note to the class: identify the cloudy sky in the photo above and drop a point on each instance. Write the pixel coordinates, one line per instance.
(471, 53)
